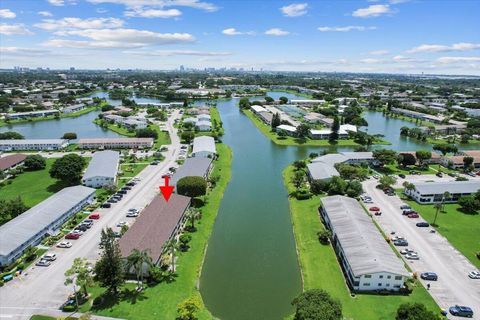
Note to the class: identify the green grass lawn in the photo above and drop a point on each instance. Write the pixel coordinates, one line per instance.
(320, 268)
(160, 301)
(461, 229)
(32, 186)
(40, 317)
(290, 141)
(115, 128)
(431, 169)
(215, 115)
(163, 137)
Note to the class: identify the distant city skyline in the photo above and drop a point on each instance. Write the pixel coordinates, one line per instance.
(388, 36)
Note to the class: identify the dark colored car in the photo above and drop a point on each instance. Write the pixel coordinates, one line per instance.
(461, 311)
(127, 188)
(122, 192)
(81, 227)
(451, 174)
(439, 174)
(422, 224)
(130, 184)
(106, 205)
(112, 200)
(400, 243)
(72, 236)
(401, 175)
(432, 276)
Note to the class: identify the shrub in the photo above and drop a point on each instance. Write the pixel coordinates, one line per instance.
(303, 194)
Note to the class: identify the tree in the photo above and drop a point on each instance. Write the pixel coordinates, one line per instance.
(408, 185)
(11, 135)
(187, 136)
(336, 186)
(269, 99)
(188, 308)
(316, 304)
(109, 270)
(467, 163)
(335, 127)
(354, 189)
(172, 246)
(437, 207)
(192, 186)
(283, 100)
(244, 103)
(297, 178)
(10, 209)
(406, 159)
(385, 156)
(35, 162)
(137, 260)
(414, 311)
(324, 236)
(469, 203)
(184, 240)
(276, 120)
(387, 181)
(68, 168)
(445, 148)
(80, 273)
(299, 164)
(146, 133)
(303, 130)
(69, 136)
(192, 215)
(404, 131)
(422, 156)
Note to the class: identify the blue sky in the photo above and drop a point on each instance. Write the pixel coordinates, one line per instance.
(398, 36)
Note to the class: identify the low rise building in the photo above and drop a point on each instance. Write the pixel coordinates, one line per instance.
(32, 114)
(289, 130)
(102, 169)
(115, 143)
(343, 132)
(323, 167)
(193, 167)
(203, 125)
(433, 192)
(204, 146)
(33, 144)
(29, 228)
(74, 108)
(368, 262)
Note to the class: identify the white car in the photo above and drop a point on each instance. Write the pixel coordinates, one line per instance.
(474, 275)
(398, 238)
(412, 256)
(132, 214)
(49, 257)
(43, 263)
(64, 244)
(406, 251)
(133, 210)
(122, 223)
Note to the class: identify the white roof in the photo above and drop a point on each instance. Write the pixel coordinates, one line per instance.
(366, 251)
(286, 127)
(22, 228)
(32, 141)
(204, 143)
(203, 123)
(103, 164)
(321, 171)
(257, 108)
(451, 187)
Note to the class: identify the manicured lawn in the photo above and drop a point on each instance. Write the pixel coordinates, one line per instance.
(163, 137)
(39, 317)
(32, 186)
(215, 117)
(160, 301)
(115, 128)
(290, 141)
(431, 169)
(320, 268)
(461, 229)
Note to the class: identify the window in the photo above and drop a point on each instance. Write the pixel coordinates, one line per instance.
(398, 277)
(388, 285)
(381, 277)
(368, 276)
(396, 286)
(380, 284)
(366, 284)
(389, 277)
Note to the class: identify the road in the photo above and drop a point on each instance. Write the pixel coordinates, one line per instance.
(435, 252)
(42, 289)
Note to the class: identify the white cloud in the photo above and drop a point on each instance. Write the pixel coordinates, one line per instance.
(378, 52)
(45, 13)
(276, 32)
(119, 38)
(7, 14)
(371, 60)
(457, 59)
(235, 32)
(206, 6)
(170, 53)
(462, 46)
(374, 10)
(11, 29)
(77, 23)
(153, 13)
(294, 9)
(61, 3)
(15, 51)
(345, 29)
(400, 58)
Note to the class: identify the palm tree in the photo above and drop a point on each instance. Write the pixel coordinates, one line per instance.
(437, 206)
(136, 260)
(192, 215)
(446, 195)
(172, 246)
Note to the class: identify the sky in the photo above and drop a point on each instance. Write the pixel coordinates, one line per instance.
(388, 36)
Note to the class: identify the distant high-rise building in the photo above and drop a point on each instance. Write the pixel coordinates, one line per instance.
(72, 68)
(182, 68)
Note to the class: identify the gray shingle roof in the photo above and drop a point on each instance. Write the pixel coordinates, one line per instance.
(366, 251)
(321, 171)
(196, 167)
(450, 186)
(204, 143)
(103, 164)
(22, 228)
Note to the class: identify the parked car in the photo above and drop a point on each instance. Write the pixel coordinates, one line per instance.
(122, 192)
(130, 184)
(451, 174)
(64, 244)
(405, 207)
(400, 243)
(401, 175)
(378, 213)
(94, 216)
(127, 188)
(81, 227)
(432, 276)
(461, 311)
(49, 257)
(407, 212)
(43, 263)
(154, 163)
(422, 224)
(132, 214)
(406, 251)
(412, 256)
(106, 205)
(474, 275)
(112, 200)
(374, 209)
(471, 174)
(413, 215)
(72, 236)
(122, 223)
(439, 174)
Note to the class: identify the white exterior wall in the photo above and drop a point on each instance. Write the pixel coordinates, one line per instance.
(203, 127)
(97, 182)
(204, 154)
(380, 281)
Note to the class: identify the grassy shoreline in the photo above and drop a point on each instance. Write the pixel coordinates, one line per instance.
(320, 267)
(290, 141)
(189, 264)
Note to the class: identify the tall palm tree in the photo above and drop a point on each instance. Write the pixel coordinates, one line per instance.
(446, 195)
(437, 206)
(172, 246)
(136, 260)
(192, 215)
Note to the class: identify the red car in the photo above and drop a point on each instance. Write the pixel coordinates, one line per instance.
(413, 215)
(374, 209)
(95, 216)
(72, 236)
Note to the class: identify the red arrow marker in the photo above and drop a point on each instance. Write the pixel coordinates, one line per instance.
(166, 190)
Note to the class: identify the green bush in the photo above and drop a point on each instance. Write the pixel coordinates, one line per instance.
(69, 308)
(1, 283)
(303, 194)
